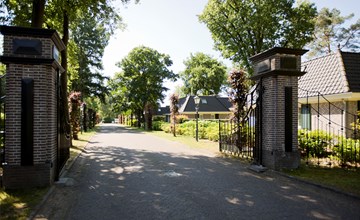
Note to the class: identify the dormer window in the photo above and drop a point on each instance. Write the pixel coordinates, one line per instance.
(203, 101)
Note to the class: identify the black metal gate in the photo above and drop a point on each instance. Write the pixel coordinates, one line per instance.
(63, 136)
(243, 138)
(2, 118)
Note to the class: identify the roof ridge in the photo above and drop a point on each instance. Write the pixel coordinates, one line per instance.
(217, 98)
(182, 108)
(342, 70)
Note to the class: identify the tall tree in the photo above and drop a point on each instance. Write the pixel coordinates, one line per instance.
(203, 75)
(90, 39)
(60, 15)
(241, 29)
(330, 33)
(37, 15)
(144, 71)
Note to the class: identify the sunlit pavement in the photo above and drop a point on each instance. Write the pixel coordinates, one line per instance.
(125, 174)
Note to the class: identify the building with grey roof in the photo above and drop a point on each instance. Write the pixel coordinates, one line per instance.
(329, 93)
(210, 107)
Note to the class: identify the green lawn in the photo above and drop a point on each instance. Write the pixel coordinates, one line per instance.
(347, 180)
(190, 141)
(18, 204)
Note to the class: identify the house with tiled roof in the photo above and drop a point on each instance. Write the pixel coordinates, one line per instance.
(329, 93)
(210, 107)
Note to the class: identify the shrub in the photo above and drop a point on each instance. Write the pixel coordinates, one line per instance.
(314, 143)
(107, 119)
(182, 119)
(166, 127)
(347, 150)
(156, 125)
(206, 129)
(158, 118)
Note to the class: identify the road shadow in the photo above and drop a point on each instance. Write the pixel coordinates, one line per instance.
(142, 184)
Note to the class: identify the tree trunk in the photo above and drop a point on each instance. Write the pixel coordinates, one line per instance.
(174, 124)
(139, 118)
(37, 16)
(66, 128)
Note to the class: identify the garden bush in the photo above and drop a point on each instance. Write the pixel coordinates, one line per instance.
(107, 119)
(321, 145)
(314, 143)
(166, 127)
(156, 125)
(347, 150)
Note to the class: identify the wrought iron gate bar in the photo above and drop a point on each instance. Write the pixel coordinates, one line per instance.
(242, 139)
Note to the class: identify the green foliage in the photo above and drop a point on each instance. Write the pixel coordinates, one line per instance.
(330, 33)
(141, 82)
(348, 150)
(90, 39)
(207, 129)
(108, 119)
(314, 143)
(157, 125)
(159, 118)
(182, 118)
(319, 144)
(75, 102)
(203, 75)
(166, 127)
(241, 29)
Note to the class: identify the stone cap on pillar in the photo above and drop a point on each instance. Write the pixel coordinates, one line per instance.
(278, 61)
(31, 46)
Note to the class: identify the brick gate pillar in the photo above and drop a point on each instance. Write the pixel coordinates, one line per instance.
(32, 70)
(278, 70)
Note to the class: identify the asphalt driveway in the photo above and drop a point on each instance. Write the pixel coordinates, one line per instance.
(125, 174)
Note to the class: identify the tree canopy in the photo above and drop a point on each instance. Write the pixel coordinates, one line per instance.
(203, 75)
(330, 33)
(140, 84)
(85, 26)
(241, 29)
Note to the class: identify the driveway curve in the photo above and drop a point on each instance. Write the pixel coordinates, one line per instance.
(126, 174)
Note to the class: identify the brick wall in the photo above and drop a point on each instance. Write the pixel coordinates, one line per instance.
(274, 82)
(42, 172)
(340, 114)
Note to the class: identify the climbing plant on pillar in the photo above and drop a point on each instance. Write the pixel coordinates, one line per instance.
(75, 103)
(174, 109)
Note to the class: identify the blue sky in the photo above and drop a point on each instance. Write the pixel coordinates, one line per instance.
(172, 27)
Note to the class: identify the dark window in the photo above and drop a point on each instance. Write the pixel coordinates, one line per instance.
(288, 119)
(288, 62)
(27, 121)
(216, 116)
(305, 117)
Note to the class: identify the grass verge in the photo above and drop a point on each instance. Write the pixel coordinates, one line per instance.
(19, 203)
(346, 180)
(187, 140)
(79, 145)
